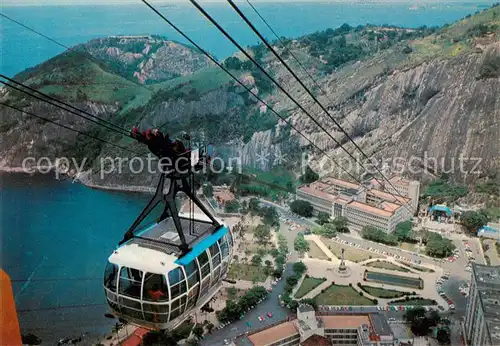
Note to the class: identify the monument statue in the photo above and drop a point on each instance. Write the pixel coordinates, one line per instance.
(342, 266)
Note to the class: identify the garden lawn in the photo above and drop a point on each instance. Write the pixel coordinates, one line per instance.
(408, 246)
(387, 265)
(341, 295)
(382, 293)
(350, 253)
(248, 272)
(308, 284)
(316, 252)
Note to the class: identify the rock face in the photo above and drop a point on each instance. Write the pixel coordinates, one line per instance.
(146, 59)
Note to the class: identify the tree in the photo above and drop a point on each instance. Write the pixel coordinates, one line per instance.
(280, 260)
(256, 260)
(309, 176)
(210, 326)
(434, 318)
(232, 63)
(340, 224)
(254, 206)
(302, 208)
(232, 206)
(274, 252)
(419, 322)
(282, 244)
(268, 263)
(329, 230)
(208, 190)
(232, 292)
(30, 339)
(437, 246)
(443, 336)
(270, 216)
(377, 235)
(193, 342)
(300, 244)
(403, 231)
(262, 233)
(323, 218)
(299, 267)
(472, 220)
(198, 331)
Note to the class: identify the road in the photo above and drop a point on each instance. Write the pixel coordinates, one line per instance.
(271, 304)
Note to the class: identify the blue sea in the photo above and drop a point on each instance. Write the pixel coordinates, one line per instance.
(55, 240)
(71, 25)
(56, 236)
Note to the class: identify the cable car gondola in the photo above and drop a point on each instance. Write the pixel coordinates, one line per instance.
(162, 273)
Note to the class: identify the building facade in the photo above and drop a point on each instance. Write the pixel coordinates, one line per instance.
(482, 322)
(361, 205)
(316, 329)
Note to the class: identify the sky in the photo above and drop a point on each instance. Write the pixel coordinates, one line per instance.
(102, 2)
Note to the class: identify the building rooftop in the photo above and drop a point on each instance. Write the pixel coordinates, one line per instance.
(318, 193)
(343, 183)
(487, 276)
(400, 181)
(389, 197)
(369, 209)
(389, 206)
(488, 287)
(344, 321)
(273, 334)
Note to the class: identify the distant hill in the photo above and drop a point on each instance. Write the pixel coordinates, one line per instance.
(401, 92)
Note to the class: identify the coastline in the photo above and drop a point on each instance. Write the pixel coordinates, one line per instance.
(85, 181)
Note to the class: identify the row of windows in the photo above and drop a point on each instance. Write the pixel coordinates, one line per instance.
(155, 288)
(361, 224)
(342, 336)
(365, 215)
(291, 340)
(131, 279)
(344, 342)
(343, 331)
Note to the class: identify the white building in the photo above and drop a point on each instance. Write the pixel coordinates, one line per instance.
(361, 205)
(482, 322)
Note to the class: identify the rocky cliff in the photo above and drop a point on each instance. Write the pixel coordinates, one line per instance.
(411, 95)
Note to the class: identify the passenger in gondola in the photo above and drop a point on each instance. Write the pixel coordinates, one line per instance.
(159, 144)
(156, 294)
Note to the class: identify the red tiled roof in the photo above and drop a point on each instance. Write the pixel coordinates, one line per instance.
(136, 338)
(273, 334)
(369, 209)
(318, 193)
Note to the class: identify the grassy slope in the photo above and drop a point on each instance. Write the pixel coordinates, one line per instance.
(454, 39)
(75, 76)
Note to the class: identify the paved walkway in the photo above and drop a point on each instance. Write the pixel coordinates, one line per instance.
(317, 240)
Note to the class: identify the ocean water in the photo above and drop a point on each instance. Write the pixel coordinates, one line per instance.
(55, 240)
(71, 25)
